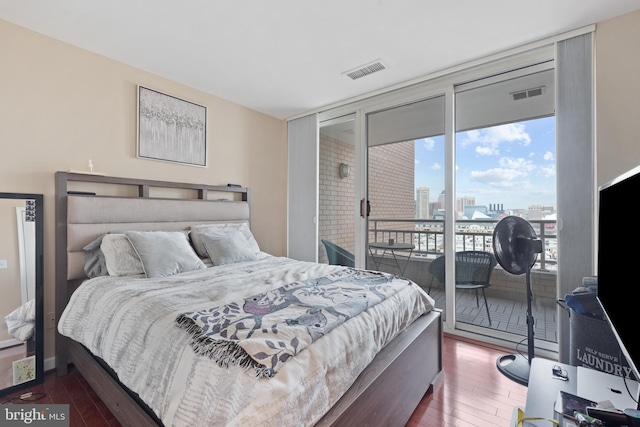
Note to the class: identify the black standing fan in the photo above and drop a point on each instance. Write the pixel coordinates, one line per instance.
(516, 246)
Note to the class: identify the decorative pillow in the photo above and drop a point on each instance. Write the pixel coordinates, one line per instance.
(164, 253)
(94, 262)
(228, 247)
(120, 256)
(198, 230)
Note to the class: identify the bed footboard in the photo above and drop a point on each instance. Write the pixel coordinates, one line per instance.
(388, 391)
(123, 406)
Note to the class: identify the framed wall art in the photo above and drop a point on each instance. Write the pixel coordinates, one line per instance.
(171, 129)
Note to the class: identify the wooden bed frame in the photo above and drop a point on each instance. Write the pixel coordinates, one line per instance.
(385, 393)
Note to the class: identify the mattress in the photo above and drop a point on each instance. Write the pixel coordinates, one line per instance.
(130, 323)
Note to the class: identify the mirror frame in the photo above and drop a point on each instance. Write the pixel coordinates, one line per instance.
(39, 291)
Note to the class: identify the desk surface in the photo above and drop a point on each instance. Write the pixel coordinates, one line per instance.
(395, 246)
(543, 389)
(584, 382)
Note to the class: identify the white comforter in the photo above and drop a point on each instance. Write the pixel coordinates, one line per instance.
(129, 323)
(21, 322)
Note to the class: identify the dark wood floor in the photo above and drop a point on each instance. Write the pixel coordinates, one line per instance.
(471, 392)
(85, 407)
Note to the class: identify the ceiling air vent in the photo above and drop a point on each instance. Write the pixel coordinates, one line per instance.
(365, 70)
(534, 92)
(528, 93)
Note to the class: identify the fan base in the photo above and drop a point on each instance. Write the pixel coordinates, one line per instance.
(515, 367)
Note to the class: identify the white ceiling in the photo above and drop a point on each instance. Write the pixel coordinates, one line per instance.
(286, 57)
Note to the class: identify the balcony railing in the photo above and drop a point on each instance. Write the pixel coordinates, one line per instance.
(428, 236)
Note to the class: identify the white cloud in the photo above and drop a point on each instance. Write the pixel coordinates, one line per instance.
(549, 156)
(512, 132)
(428, 144)
(436, 166)
(512, 174)
(517, 163)
(497, 177)
(473, 135)
(486, 150)
(547, 171)
(488, 140)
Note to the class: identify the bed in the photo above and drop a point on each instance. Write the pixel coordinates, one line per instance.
(150, 371)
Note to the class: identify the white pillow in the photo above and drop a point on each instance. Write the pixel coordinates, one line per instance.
(165, 253)
(121, 258)
(198, 230)
(228, 247)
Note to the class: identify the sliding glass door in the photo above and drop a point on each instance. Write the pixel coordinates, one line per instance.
(405, 182)
(337, 171)
(505, 155)
(437, 164)
(502, 152)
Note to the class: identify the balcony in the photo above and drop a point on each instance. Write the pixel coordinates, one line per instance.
(507, 295)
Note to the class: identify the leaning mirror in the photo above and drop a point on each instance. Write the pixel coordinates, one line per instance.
(21, 291)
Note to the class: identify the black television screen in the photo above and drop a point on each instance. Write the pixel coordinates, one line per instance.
(618, 257)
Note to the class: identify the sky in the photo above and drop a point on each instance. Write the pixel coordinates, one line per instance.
(512, 164)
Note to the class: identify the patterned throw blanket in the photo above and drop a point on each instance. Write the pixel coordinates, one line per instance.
(265, 330)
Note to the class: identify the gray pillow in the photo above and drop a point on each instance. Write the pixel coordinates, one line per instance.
(164, 253)
(198, 230)
(94, 262)
(120, 256)
(228, 247)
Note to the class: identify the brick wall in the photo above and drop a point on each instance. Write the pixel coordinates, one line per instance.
(336, 195)
(391, 189)
(392, 184)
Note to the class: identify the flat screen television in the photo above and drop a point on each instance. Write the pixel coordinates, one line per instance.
(618, 262)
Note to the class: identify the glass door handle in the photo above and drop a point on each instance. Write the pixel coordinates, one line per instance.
(365, 206)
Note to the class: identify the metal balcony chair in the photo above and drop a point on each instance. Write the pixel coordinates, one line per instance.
(473, 272)
(338, 255)
(436, 268)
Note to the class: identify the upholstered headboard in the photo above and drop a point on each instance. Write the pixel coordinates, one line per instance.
(91, 217)
(88, 206)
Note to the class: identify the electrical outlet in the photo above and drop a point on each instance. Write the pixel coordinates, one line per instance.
(3, 263)
(50, 321)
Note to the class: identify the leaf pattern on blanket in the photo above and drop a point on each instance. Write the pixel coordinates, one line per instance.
(265, 330)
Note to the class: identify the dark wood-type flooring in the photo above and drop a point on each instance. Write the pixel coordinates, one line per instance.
(471, 392)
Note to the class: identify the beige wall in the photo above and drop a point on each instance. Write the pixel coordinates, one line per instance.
(617, 96)
(61, 106)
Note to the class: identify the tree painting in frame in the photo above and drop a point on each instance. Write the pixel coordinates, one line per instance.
(171, 129)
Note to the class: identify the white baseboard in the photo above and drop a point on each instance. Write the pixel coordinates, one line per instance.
(50, 364)
(9, 343)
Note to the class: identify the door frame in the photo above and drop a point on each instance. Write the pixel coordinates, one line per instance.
(445, 81)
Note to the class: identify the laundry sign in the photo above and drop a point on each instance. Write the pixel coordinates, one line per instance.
(601, 361)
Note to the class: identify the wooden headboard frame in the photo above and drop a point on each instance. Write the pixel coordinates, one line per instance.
(82, 216)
